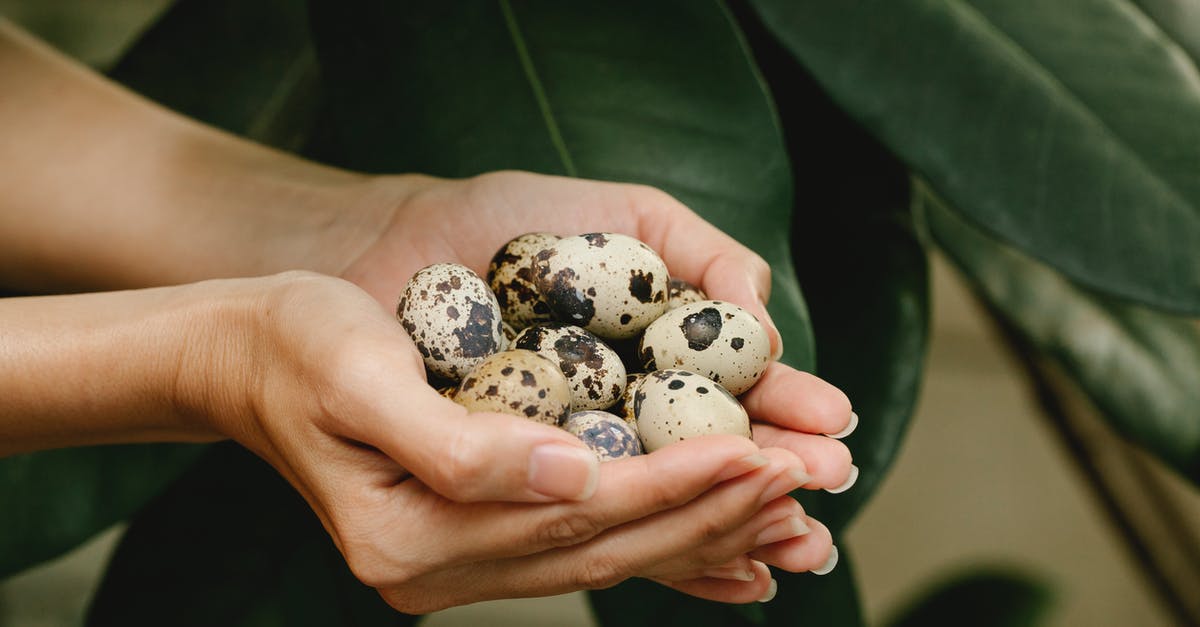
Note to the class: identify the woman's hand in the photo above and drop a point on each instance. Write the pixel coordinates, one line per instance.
(437, 507)
(467, 221)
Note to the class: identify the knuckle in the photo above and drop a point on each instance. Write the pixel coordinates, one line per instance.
(601, 572)
(568, 530)
(465, 468)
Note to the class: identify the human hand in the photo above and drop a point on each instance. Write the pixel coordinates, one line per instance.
(311, 374)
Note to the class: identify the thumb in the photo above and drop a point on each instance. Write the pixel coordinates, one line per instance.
(469, 457)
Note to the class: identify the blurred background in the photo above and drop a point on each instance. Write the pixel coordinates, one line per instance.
(983, 482)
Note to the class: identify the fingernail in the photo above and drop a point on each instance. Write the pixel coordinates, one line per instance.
(785, 529)
(730, 572)
(829, 563)
(771, 591)
(770, 324)
(848, 430)
(787, 481)
(849, 481)
(563, 472)
(743, 466)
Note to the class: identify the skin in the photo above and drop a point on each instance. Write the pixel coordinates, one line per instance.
(304, 364)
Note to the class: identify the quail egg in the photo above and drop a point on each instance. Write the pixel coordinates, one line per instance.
(610, 284)
(452, 317)
(517, 382)
(594, 371)
(673, 405)
(713, 338)
(680, 292)
(447, 391)
(607, 435)
(624, 406)
(510, 276)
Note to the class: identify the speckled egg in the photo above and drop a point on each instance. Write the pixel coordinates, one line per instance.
(680, 293)
(607, 435)
(610, 284)
(624, 406)
(594, 371)
(447, 391)
(517, 382)
(673, 405)
(713, 338)
(510, 276)
(452, 317)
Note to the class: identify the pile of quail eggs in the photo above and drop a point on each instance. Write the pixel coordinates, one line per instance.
(590, 334)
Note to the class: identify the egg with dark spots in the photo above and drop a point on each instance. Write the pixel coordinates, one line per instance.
(452, 318)
(716, 339)
(517, 382)
(510, 276)
(594, 371)
(610, 284)
(674, 405)
(680, 293)
(624, 406)
(607, 435)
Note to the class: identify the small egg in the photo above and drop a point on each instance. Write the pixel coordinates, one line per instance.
(517, 382)
(510, 276)
(610, 284)
(624, 406)
(674, 405)
(594, 371)
(680, 293)
(447, 391)
(607, 435)
(452, 317)
(712, 338)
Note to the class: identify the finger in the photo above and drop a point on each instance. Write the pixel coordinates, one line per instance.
(617, 554)
(798, 401)
(813, 551)
(668, 478)
(700, 253)
(761, 588)
(781, 519)
(827, 461)
(384, 401)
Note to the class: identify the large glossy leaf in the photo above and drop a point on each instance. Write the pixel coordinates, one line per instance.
(231, 543)
(983, 599)
(52, 501)
(246, 67)
(1070, 129)
(859, 262)
(651, 92)
(1139, 366)
(1179, 19)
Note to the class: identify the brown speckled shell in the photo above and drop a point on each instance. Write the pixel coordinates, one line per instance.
(680, 293)
(510, 276)
(452, 318)
(624, 406)
(674, 405)
(608, 436)
(593, 370)
(712, 338)
(517, 382)
(610, 284)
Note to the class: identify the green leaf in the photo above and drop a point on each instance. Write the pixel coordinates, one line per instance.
(1138, 365)
(246, 67)
(661, 93)
(1180, 20)
(1070, 129)
(231, 543)
(53, 501)
(984, 599)
(860, 263)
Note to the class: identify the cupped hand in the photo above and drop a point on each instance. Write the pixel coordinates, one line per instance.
(466, 221)
(437, 507)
